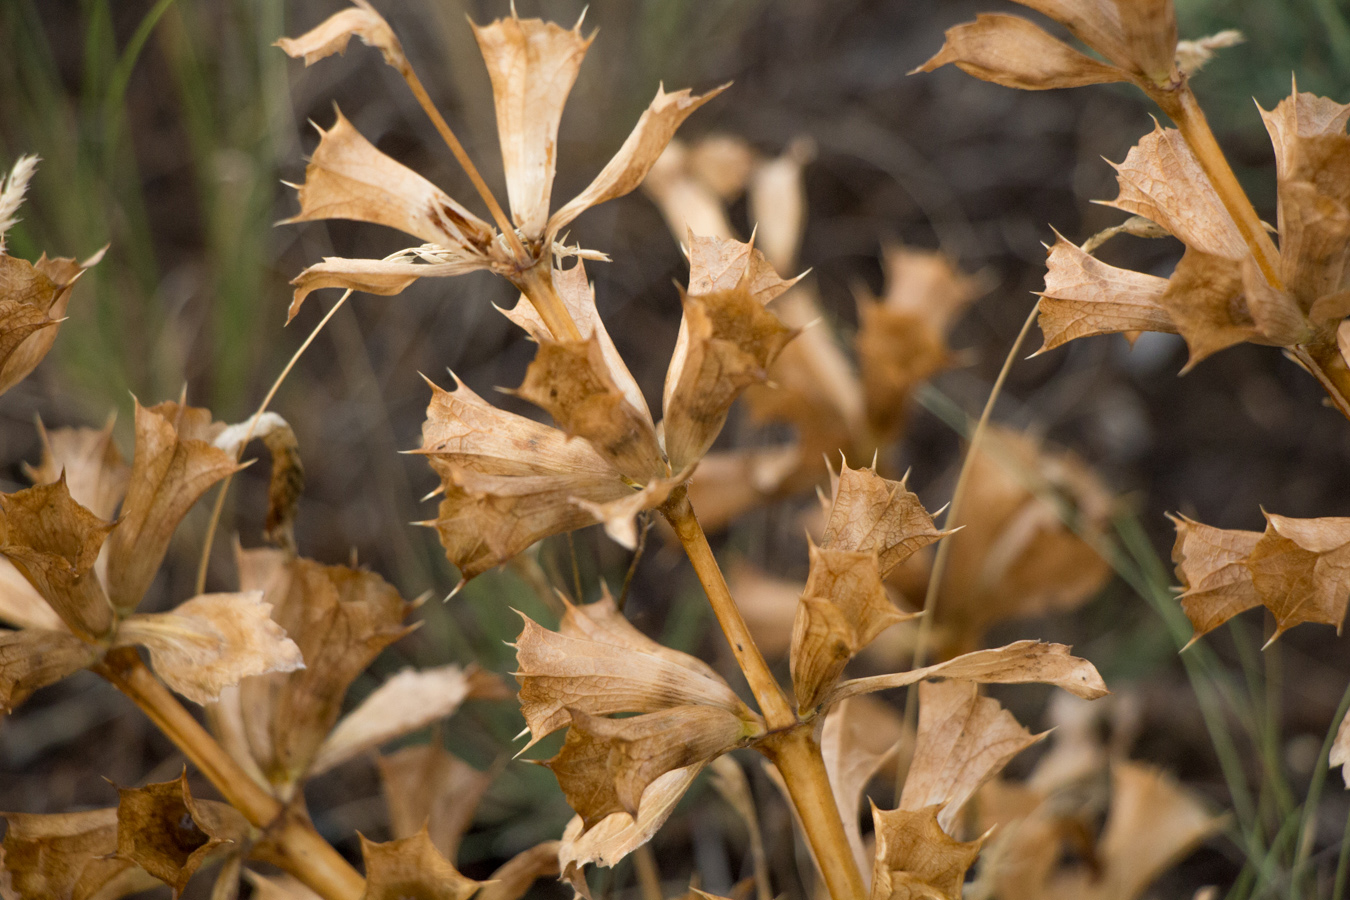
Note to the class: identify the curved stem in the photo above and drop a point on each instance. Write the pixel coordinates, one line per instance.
(773, 703)
(797, 756)
(302, 851)
(214, 521)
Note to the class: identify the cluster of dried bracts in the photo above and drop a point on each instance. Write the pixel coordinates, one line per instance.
(272, 662)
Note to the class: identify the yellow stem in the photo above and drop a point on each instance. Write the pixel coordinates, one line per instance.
(536, 283)
(797, 756)
(1181, 106)
(214, 521)
(498, 214)
(301, 851)
(773, 703)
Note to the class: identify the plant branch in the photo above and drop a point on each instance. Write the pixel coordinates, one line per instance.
(797, 756)
(303, 852)
(778, 713)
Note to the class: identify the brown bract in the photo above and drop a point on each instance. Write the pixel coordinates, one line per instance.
(1138, 38)
(412, 869)
(173, 465)
(860, 739)
(33, 301)
(36, 657)
(1299, 569)
(424, 786)
(165, 830)
(1218, 295)
(340, 618)
(916, 859)
(96, 474)
(963, 741)
(532, 65)
(67, 856)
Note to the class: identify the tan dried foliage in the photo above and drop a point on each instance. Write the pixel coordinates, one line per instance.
(33, 301)
(34, 658)
(67, 856)
(916, 859)
(532, 65)
(1085, 297)
(211, 642)
(20, 603)
(871, 514)
(606, 765)
(54, 542)
(411, 869)
(165, 830)
(426, 786)
(96, 474)
(1299, 569)
(340, 618)
(1138, 38)
(963, 741)
(515, 876)
(173, 465)
(597, 663)
(507, 481)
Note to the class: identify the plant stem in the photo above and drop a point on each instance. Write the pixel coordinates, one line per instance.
(797, 756)
(773, 703)
(1181, 106)
(536, 283)
(498, 214)
(302, 852)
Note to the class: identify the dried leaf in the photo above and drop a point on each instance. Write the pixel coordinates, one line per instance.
(1192, 56)
(964, 740)
(871, 514)
(916, 859)
(174, 464)
(348, 178)
(508, 481)
(1211, 566)
(282, 887)
(12, 190)
(515, 876)
(410, 700)
(340, 618)
(411, 869)
(211, 642)
(778, 202)
(1020, 662)
(33, 301)
(600, 665)
(426, 786)
(619, 834)
(96, 474)
(844, 607)
(723, 264)
(20, 603)
(54, 542)
(578, 296)
(1011, 51)
(606, 765)
(377, 276)
(1162, 180)
(66, 856)
(533, 65)
(860, 737)
(689, 205)
(165, 830)
(1340, 748)
(333, 35)
(768, 604)
(729, 483)
(1085, 297)
(639, 152)
(732, 341)
(1301, 570)
(571, 382)
(34, 658)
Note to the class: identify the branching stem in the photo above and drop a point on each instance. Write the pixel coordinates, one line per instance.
(303, 852)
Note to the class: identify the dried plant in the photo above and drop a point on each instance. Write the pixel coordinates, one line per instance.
(1029, 528)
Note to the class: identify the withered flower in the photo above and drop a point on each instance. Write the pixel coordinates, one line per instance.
(508, 481)
(533, 65)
